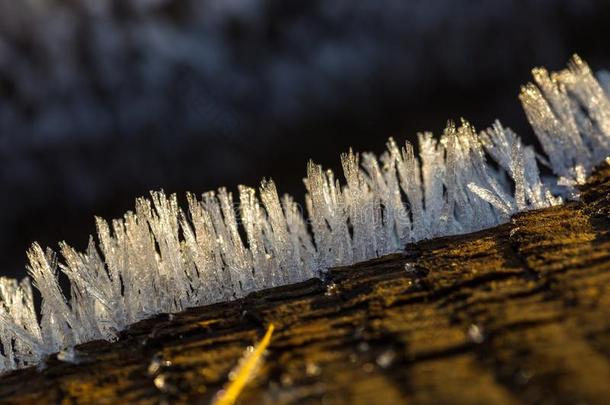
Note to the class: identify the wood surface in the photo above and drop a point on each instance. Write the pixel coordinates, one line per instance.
(515, 314)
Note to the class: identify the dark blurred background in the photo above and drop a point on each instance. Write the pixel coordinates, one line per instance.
(103, 100)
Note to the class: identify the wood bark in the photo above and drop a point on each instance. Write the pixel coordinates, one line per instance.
(515, 314)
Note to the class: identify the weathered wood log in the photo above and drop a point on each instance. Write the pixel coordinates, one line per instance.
(517, 313)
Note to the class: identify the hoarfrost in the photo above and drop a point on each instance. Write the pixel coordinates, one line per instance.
(160, 258)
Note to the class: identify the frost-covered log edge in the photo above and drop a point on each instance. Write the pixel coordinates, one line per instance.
(161, 259)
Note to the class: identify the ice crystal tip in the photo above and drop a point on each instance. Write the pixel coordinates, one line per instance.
(162, 258)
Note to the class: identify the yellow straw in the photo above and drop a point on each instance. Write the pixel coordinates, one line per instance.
(244, 372)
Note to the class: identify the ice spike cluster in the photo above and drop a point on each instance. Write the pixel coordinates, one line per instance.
(162, 258)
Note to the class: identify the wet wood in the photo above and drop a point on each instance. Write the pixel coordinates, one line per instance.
(515, 314)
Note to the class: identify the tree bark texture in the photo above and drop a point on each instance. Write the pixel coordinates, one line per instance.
(515, 314)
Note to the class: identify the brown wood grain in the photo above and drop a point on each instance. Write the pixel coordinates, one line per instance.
(515, 314)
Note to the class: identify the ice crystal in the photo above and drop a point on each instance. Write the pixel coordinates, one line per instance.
(163, 259)
(570, 114)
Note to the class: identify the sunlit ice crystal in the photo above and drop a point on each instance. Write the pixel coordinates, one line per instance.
(162, 258)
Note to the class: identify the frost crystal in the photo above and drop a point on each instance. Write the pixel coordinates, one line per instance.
(570, 113)
(160, 258)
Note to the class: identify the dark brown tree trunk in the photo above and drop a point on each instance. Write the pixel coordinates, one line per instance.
(517, 313)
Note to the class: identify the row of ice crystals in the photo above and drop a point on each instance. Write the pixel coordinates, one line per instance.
(161, 258)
